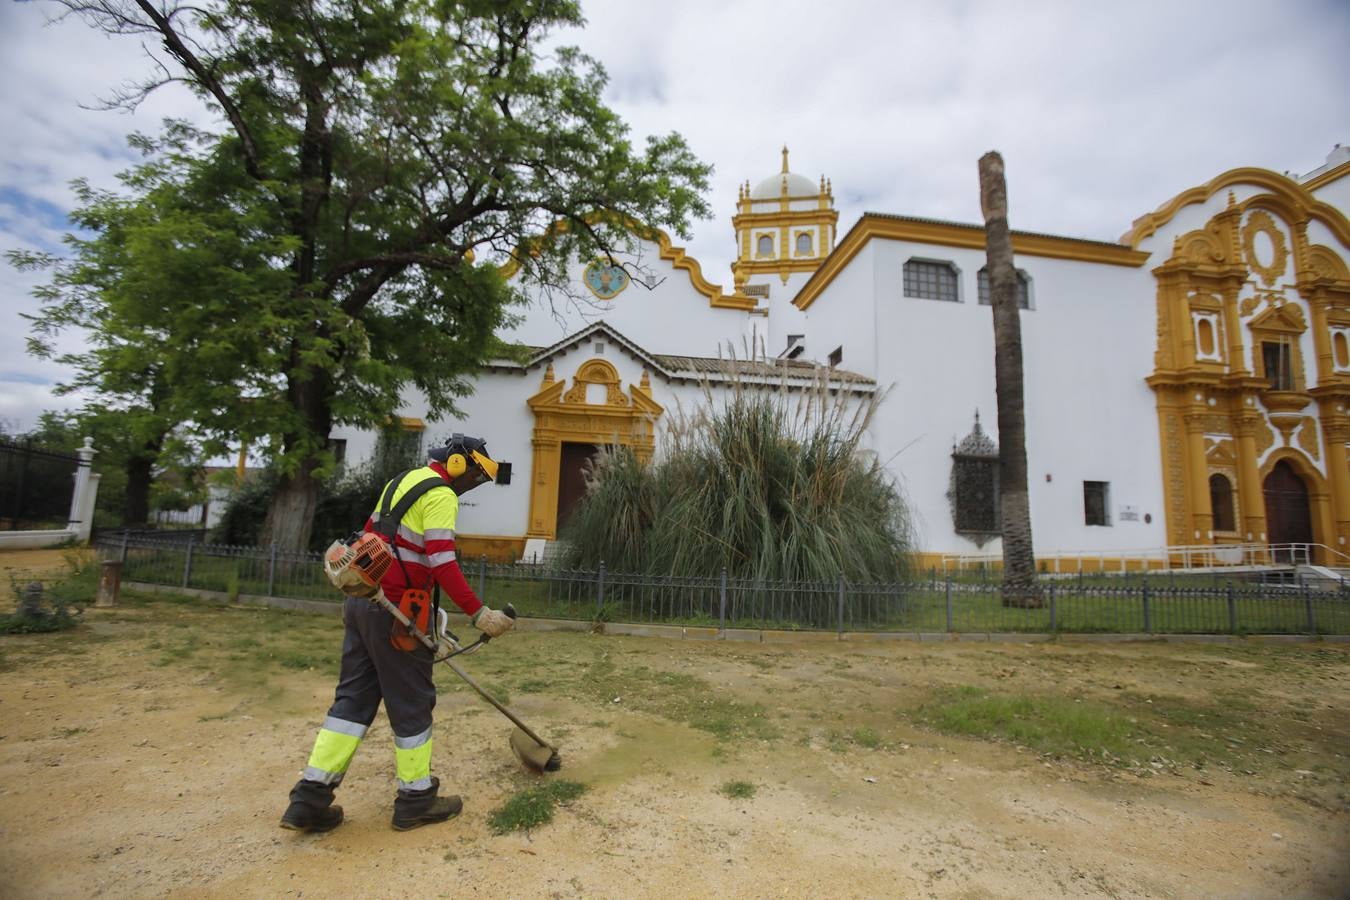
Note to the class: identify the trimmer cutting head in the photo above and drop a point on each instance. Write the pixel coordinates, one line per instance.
(536, 756)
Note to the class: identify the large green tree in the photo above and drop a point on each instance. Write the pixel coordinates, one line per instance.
(149, 272)
(394, 153)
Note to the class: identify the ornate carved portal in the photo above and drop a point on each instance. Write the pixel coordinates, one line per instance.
(595, 411)
(1250, 348)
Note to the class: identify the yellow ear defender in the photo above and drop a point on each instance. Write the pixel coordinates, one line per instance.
(456, 465)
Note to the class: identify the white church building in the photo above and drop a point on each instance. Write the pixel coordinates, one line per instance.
(1185, 387)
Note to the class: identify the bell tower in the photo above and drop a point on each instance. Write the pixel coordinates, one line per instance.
(784, 224)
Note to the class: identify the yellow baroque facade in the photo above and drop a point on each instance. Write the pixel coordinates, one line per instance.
(1252, 367)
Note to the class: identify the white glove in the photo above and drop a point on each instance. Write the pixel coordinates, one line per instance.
(491, 622)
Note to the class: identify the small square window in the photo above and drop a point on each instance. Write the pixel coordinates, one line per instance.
(836, 357)
(1096, 502)
(930, 280)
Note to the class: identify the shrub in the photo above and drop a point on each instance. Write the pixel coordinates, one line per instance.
(62, 601)
(770, 484)
(343, 505)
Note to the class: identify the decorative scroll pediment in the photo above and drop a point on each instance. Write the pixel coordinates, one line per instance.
(1286, 317)
(1326, 263)
(1204, 246)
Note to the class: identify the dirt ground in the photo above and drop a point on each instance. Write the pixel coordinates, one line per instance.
(148, 753)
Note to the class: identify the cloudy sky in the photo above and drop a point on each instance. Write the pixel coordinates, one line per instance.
(1102, 110)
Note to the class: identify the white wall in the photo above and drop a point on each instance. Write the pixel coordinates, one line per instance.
(1336, 193)
(1087, 347)
(671, 318)
(844, 315)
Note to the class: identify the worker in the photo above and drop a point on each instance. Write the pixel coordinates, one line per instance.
(381, 660)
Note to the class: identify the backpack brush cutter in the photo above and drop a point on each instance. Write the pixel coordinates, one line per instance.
(356, 566)
(530, 748)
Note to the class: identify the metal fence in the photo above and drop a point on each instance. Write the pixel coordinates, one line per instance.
(931, 605)
(36, 486)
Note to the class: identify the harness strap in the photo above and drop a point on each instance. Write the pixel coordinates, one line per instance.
(391, 514)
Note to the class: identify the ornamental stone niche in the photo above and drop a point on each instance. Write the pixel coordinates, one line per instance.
(974, 487)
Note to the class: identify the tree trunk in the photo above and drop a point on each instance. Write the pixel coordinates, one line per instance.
(1019, 561)
(136, 504)
(290, 517)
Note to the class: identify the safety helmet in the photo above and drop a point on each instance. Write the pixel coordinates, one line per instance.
(466, 460)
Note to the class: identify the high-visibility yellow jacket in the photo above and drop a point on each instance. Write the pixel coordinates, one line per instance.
(425, 541)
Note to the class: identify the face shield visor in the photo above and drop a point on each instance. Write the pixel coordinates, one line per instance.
(469, 465)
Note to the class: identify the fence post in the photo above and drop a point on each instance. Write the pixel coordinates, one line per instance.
(1232, 611)
(722, 614)
(1148, 612)
(187, 560)
(482, 576)
(1052, 608)
(600, 592)
(126, 539)
(841, 606)
(1308, 604)
(272, 569)
(949, 606)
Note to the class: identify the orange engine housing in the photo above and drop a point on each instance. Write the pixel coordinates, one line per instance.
(368, 556)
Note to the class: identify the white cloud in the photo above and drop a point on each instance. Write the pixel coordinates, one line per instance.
(1102, 111)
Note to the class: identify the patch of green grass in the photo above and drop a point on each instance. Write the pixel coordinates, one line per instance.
(533, 686)
(71, 732)
(171, 655)
(303, 660)
(534, 806)
(866, 737)
(737, 790)
(1055, 725)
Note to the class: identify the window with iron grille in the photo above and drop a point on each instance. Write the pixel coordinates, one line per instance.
(930, 280)
(1023, 289)
(973, 490)
(1096, 502)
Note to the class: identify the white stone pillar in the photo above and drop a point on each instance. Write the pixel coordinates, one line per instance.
(86, 489)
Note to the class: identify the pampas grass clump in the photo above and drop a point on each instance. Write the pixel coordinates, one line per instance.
(773, 484)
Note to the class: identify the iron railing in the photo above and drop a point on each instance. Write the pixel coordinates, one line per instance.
(1166, 604)
(36, 486)
(1184, 558)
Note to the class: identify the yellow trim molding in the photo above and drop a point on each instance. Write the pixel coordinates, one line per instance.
(1327, 177)
(565, 416)
(1295, 194)
(472, 547)
(676, 256)
(956, 234)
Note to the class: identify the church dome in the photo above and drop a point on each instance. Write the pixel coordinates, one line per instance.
(771, 188)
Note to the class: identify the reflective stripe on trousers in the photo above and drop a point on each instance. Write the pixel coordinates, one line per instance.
(333, 750)
(412, 758)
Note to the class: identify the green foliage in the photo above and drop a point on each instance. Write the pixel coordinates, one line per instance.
(344, 239)
(533, 807)
(63, 600)
(738, 790)
(1048, 724)
(770, 484)
(345, 501)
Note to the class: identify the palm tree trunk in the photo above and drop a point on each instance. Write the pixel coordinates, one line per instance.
(1019, 560)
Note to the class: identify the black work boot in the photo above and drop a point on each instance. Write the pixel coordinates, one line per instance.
(311, 808)
(413, 809)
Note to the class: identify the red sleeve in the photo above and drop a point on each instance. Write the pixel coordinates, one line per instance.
(452, 581)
